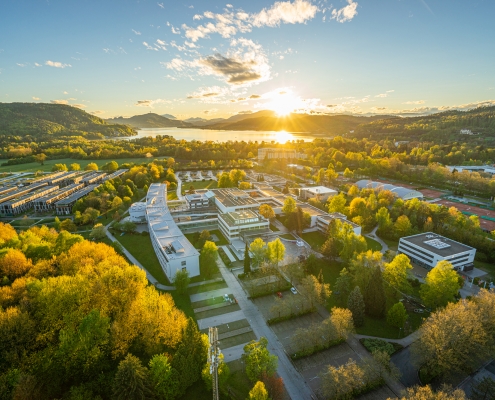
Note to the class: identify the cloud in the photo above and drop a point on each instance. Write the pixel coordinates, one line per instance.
(96, 112)
(150, 103)
(160, 5)
(197, 17)
(136, 32)
(254, 96)
(21, 65)
(36, 98)
(59, 102)
(346, 13)
(208, 112)
(211, 94)
(236, 71)
(57, 64)
(37, 65)
(148, 47)
(79, 105)
(415, 102)
(175, 31)
(382, 95)
(66, 92)
(331, 105)
(285, 12)
(390, 91)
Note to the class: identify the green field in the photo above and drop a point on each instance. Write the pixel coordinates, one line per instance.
(314, 239)
(141, 248)
(372, 244)
(33, 167)
(198, 185)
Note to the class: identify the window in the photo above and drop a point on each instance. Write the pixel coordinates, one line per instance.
(183, 263)
(184, 269)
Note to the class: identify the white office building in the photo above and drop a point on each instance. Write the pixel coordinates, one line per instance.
(427, 249)
(173, 250)
(320, 193)
(235, 224)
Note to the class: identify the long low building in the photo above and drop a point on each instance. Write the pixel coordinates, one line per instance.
(23, 203)
(173, 250)
(115, 174)
(401, 192)
(64, 206)
(47, 203)
(427, 249)
(235, 224)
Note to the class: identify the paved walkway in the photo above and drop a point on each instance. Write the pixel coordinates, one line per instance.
(209, 295)
(179, 189)
(295, 385)
(233, 353)
(405, 341)
(374, 236)
(221, 319)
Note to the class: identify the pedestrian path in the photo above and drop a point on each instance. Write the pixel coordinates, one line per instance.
(209, 295)
(228, 253)
(220, 319)
(405, 341)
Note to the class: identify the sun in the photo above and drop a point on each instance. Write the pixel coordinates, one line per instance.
(283, 102)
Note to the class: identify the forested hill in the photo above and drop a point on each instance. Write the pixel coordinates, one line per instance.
(37, 119)
(150, 120)
(331, 124)
(441, 126)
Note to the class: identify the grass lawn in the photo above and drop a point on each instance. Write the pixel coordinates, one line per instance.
(238, 383)
(172, 195)
(487, 267)
(198, 185)
(183, 302)
(287, 236)
(141, 248)
(274, 228)
(379, 328)
(220, 242)
(392, 244)
(314, 239)
(217, 311)
(33, 167)
(206, 288)
(372, 244)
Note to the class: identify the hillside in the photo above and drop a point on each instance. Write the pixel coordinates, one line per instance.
(444, 126)
(37, 119)
(150, 120)
(268, 121)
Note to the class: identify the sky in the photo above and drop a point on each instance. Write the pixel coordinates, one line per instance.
(213, 59)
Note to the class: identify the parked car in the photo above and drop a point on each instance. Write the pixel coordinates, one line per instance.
(293, 290)
(279, 294)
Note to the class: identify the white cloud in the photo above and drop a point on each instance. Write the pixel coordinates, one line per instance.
(175, 31)
(36, 98)
(390, 91)
(57, 64)
(197, 17)
(415, 102)
(178, 64)
(59, 102)
(229, 6)
(150, 103)
(37, 65)
(21, 65)
(160, 5)
(65, 92)
(78, 105)
(148, 47)
(137, 68)
(381, 95)
(286, 12)
(136, 32)
(97, 112)
(346, 13)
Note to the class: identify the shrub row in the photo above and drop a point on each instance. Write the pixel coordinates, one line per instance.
(316, 349)
(223, 256)
(276, 320)
(373, 345)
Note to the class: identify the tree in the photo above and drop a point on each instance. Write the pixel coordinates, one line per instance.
(293, 271)
(128, 226)
(274, 386)
(131, 381)
(223, 373)
(353, 191)
(258, 360)
(236, 175)
(247, 260)
(383, 219)
(315, 291)
(342, 322)
(374, 295)
(40, 158)
(98, 232)
(244, 185)
(207, 258)
(330, 248)
(59, 167)
(116, 202)
(68, 225)
(267, 211)
(343, 285)
(13, 264)
(203, 237)
(110, 167)
(276, 251)
(402, 226)
(355, 304)
(337, 204)
(258, 392)
(74, 167)
(348, 173)
(163, 378)
(181, 281)
(483, 389)
(91, 167)
(289, 205)
(441, 285)
(426, 393)
(397, 315)
(258, 250)
(224, 180)
(396, 273)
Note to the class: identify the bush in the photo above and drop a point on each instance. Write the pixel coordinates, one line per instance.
(275, 320)
(145, 233)
(414, 282)
(225, 259)
(373, 345)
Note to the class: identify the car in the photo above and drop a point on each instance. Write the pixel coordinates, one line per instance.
(293, 290)
(226, 297)
(279, 294)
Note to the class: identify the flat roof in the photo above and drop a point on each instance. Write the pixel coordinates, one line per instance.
(437, 244)
(59, 192)
(75, 196)
(244, 217)
(319, 189)
(232, 197)
(342, 217)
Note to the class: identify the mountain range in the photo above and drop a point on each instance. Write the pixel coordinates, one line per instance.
(150, 120)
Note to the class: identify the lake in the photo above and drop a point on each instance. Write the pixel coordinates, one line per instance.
(223, 136)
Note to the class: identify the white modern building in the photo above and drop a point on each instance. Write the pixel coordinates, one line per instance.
(137, 212)
(320, 193)
(173, 250)
(200, 199)
(274, 153)
(233, 199)
(401, 192)
(427, 249)
(235, 224)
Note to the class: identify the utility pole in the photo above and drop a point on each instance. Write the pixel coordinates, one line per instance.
(213, 353)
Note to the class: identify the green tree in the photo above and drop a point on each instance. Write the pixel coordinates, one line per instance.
(181, 281)
(74, 167)
(235, 176)
(224, 180)
(402, 226)
(383, 219)
(374, 295)
(483, 389)
(91, 167)
(258, 360)
(110, 167)
(397, 315)
(207, 258)
(337, 204)
(289, 205)
(247, 260)
(315, 291)
(355, 304)
(258, 250)
(426, 393)
(98, 232)
(258, 392)
(131, 381)
(441, 285)
(396, 273)
(276, 251)
(203, 237)
(40, 158)
(343, 285)
(163, 377)
(68, 225)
